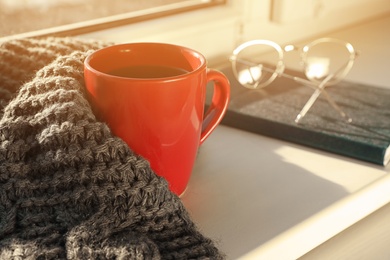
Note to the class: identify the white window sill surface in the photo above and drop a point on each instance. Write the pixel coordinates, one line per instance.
(261, 198)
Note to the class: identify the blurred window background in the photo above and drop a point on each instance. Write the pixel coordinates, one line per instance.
(22, 16)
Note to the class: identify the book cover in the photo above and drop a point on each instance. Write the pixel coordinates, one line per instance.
(271, 111)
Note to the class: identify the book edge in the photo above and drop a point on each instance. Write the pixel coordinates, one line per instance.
(268, 127)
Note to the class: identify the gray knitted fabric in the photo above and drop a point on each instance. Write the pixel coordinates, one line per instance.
(69, 189)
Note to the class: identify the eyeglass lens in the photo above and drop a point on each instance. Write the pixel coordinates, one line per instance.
(256, 65)
(326, 58)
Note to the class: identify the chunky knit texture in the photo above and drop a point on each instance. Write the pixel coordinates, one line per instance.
(69, 189)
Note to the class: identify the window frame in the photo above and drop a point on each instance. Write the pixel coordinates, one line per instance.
(113, 21)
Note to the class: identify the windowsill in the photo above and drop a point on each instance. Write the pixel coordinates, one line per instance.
(263, 198)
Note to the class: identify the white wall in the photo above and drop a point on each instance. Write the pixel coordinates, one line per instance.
(217, 30)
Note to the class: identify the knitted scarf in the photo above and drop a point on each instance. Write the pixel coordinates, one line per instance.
(69, 189)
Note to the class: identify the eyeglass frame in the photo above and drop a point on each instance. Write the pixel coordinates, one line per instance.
(319, 86)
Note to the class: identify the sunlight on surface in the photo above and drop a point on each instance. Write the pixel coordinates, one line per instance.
(343, 172)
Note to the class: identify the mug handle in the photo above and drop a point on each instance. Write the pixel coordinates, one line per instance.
(219, 103)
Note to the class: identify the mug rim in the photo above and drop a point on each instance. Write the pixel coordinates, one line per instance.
(202, 65)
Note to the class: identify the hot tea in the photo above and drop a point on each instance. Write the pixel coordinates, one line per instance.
(148, 71)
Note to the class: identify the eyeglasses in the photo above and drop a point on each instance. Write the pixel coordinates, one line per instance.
(325, 61)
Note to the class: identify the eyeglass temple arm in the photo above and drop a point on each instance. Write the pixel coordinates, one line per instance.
(318, 89)
(314, 97)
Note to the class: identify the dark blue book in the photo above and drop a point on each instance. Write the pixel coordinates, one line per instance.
(271, 111)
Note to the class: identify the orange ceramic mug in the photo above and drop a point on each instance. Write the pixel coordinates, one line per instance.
(152, 95)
